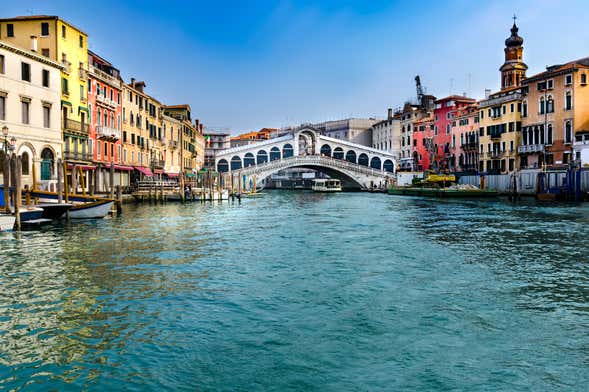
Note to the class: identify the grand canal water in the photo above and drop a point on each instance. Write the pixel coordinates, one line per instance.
(301, 291)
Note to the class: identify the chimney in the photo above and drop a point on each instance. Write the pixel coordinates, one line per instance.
(133, 82)
(201, 127)
(390, 114)
(487, 93)
(34, 43)
(196, 122)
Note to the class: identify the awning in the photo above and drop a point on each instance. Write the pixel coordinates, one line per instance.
(144, 170)
(83, 167)
(189, 175)
(123, 168)
(172, 175)
(158, 171)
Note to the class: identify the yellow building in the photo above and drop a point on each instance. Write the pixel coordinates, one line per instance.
(172, 145)
(192, 139)
(64, 43)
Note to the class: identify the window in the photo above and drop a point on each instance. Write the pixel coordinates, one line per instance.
(568, 132)
(105, 150)
(549, 84)
(568, 80)
(125, 155)
(503, 109)
(44, 29)
(541, 105)
(549, 134)
(511, 126)
(2, 107)
(81, 41)
(98, 149)
(447, 128)
(511, 145)
(550, 105)
(63, 31)
(525, 109)
(541, 86)
(25, 71)
(512, 108)
(583, 79)
(10, 30)
(82, 89)
(25, 106)
(45, 52)
(568, 105)
(45, 78)
(1, 64)
(64, 86)
(47, 116)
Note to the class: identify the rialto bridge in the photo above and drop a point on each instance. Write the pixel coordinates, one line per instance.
(356, 165)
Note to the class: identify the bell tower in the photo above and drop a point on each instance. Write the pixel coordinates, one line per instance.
(514, 69)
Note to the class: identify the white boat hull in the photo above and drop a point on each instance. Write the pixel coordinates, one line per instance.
(7, 222)
(95, 211)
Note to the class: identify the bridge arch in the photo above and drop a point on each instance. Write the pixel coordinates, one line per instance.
(274, 153)
(235, 162)
(262, 157)
(388, 166)
(338, 153)
(287, 151)
(351, 156)
(223, 166)
(363, 159)
(249, 160)
(326, 150)
(375, 163)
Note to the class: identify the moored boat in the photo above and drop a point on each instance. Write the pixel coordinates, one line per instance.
(54, 211)
(91, 210)
(450, 192)
(7, 222)
(327, 185)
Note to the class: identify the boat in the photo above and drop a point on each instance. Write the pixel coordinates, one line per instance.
(7, 222)
(327, 185)
(91, 210)
(54, 211)
(441, 186)
(30, 213)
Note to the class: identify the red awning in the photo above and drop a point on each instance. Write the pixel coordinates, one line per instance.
(158, 171)
(123, 168)
(83, 167)
(144, 170)
(172, 174)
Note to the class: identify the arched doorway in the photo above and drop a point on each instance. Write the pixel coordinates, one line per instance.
(274, 154)
(326, 150)
(287, 151)
(351, 156)
(363, 159)
(389, 166)
(375, 163)
(249, 160)
(262, 157)
(47, 161)
(223, 166)
(338, 153)
(235, 163)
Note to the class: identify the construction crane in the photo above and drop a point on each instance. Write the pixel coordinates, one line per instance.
(419, 89)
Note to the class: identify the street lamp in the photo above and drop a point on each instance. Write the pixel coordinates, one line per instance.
(5, 134)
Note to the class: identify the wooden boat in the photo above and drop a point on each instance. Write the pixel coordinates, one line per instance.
(327, 185)
(442, 192)
(32, 213)
(7, 222)
(91, 210)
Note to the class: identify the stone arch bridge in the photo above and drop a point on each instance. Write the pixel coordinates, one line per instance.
(356, 165)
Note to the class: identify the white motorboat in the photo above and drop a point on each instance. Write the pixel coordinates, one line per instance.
(327, 185)
(91, 210)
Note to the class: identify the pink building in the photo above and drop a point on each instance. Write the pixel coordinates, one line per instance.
(423, 136)
(464, 147)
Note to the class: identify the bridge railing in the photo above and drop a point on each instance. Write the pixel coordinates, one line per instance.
(314, 159)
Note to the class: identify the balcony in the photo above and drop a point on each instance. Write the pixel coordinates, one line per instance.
(77, 156)
(530, 148)
(496, 154)
(496, 134)
(76, 127)
(173, 144)
(105, 77)
(101, 99)
(82, 73)
(470, 146)
(67, 66)
(108, 133)
(158, 163)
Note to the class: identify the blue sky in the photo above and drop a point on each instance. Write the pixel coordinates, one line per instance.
(245, 65)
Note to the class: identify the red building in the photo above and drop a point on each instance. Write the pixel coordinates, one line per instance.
(444, 112)
(104, 104)
(422, 149)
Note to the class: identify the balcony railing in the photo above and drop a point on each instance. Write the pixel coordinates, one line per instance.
(82, 73)
(530, 148)
(158, 163)
(108, 133)
(106, 101)
(495, 154)
(496, 135)
(75, 126)
(470, 146)
(76, 155)
(67, 66)
(104, 76)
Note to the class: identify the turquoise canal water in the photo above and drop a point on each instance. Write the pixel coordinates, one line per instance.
(301, 291)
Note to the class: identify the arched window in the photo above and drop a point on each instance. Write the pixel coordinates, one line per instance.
(99, 117)
(542, 108)
(388, 166)
(287, 151)
(375, 163)
(568, 105)
(131, 118)
(262, 157)
(363, 159)
(222, 166)
(46, 164)
(568, 132)
(326, 150)
(549, 104)
(338, 153)
(25, 163)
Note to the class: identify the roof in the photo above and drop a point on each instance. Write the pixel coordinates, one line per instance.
(40, 17)
(571, 65)
(459, 98)
(181, 106)
(34, 55)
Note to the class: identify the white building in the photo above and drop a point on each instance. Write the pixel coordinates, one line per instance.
(30, 108)
(354, 130)
(386, 134)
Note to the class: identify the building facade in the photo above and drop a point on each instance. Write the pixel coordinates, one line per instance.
(386, 134)
(465, 140)
(355, 130)
(215, 141)
(30, 103)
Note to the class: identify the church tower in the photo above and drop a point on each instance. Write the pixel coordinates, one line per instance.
(514, 69)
